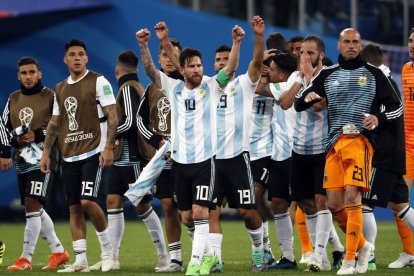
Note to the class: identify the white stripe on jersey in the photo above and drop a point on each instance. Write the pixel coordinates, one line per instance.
(282, 125)
(311, 130)
(233, 117)
(193, 119)
(261, 136)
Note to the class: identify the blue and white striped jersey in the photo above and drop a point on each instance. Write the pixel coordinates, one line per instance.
(233, 117)
(261, 136)
(311, 130)
(283, 123)
(193, 119)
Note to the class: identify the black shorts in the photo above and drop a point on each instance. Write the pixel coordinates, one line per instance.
(194, 184)
(279, 179)
(234, 180)
(81, 179)
(385, 187)
(307, 175)
(164, 187)
(36, 185)
(260, 171)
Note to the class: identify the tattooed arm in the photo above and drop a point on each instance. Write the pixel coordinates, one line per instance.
(173, 54)
(143, 36)
(52, 133)
(107, 155)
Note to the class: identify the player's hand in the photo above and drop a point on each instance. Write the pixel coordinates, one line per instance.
(161, 30)
(5, 164)
(265, 71)
(162, 143)
(237, 33)
(305, 65)
(45, 164)
(29, 137)
(143, 36)
(258, 25)
(106, 158)
(313, 97)
(167, 156)
(370, 122)
(269, 53)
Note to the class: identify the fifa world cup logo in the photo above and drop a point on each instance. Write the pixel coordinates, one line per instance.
(26, 116)
(164, 108)
(70, 105)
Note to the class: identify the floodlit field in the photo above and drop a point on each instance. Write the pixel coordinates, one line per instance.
(138, 254)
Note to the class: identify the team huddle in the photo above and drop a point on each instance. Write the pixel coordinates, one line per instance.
(323, 142)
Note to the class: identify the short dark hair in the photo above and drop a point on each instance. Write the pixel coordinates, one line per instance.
(174, 42)
(327, 61)
(223, 48)
(412, 30)
(372, 53)
(320, 45)
(187, 54)
(276, 41)
(286, 62)
(27, 60)
(128, 60)
(295, 39)
(74, 42)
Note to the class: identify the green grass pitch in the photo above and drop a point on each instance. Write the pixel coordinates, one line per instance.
(138, 255)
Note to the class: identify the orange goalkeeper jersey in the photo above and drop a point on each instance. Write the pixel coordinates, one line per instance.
(408, 90)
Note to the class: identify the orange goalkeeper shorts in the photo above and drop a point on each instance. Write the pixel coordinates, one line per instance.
(348, 163)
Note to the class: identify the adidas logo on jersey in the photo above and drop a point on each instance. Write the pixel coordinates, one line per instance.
(374, 197)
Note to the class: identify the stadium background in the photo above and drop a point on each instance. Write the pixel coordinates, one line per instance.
(40, 28)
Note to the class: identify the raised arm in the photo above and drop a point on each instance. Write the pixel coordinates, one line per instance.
(237, 34)
(161, 31)
(143, 36)
(258, 27)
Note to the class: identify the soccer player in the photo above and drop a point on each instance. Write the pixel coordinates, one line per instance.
(86, 147)
(30, 108)
(308, 156)
(154, 124)
(126, 167)
(387, 185)
(193, 137)
(294, 45)
(281, 67)
(352, 88)
(233, 174)
(407, 77)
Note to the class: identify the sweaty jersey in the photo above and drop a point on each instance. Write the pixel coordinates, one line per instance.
(407, 78)
(193, 119)
(233, 117)
(261, 136)
(352, 88)
(282, 124)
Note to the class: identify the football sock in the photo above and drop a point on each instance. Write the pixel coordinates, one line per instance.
(200, 239)
(31, 234)
(354, 236)
(284, 230)
(215, 241)
(303, 234)
(116, 227)
(47, 231)
(323, 228)
(79, 248)
(404, 231)
(154, 227)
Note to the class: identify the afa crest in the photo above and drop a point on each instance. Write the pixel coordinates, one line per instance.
(202, 92)
(362, 81)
